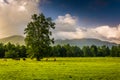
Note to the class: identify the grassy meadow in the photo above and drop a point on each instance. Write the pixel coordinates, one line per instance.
(62, 69)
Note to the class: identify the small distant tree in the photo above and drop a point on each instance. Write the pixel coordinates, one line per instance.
(11, 54)
(94, 50)
(38, 34)
(86, 51)
(114, 51)
(23, 51)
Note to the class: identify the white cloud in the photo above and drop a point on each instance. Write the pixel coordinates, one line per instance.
(109, 33)
(67, 28)
(69, 35)
(66, 23)
(67, 19)
(15, 14)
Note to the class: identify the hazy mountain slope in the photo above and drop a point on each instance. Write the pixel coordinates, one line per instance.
(16, 39)
(84, 42)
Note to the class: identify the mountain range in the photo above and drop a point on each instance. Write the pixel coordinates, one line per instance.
(18, 39)
(85, 42)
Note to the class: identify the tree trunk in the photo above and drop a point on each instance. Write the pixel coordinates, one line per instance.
(38, 58)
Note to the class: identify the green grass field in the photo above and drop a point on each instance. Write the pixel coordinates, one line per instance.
(62, 69)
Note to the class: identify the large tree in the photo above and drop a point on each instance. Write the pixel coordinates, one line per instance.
(38, 35)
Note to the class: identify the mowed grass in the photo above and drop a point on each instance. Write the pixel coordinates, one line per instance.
(63, 69)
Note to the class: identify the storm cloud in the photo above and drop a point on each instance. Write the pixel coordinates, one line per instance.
(15, 14)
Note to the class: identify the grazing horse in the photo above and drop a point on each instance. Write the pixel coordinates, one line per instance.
(54, 59)
(24, 59)
(46, 59)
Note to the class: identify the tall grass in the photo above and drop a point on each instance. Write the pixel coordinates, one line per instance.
(63, 69)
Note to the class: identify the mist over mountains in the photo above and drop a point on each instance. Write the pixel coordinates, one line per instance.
(18, 39)
(85, 42)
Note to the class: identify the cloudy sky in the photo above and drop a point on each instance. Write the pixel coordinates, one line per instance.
(74, 19)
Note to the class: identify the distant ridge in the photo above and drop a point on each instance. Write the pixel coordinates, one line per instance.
(84, 42)
(18, 39)
(15, 39)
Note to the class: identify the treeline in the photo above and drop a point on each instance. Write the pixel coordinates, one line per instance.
(19, 51)
(12, 51)
(86, 51)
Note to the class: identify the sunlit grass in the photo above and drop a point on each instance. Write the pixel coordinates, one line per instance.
(62, 69)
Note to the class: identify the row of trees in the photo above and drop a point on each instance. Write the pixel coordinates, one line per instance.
(19, 51)
(12, 51)
(85, 51)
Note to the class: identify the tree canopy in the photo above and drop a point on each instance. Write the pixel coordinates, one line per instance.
(38, 35)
